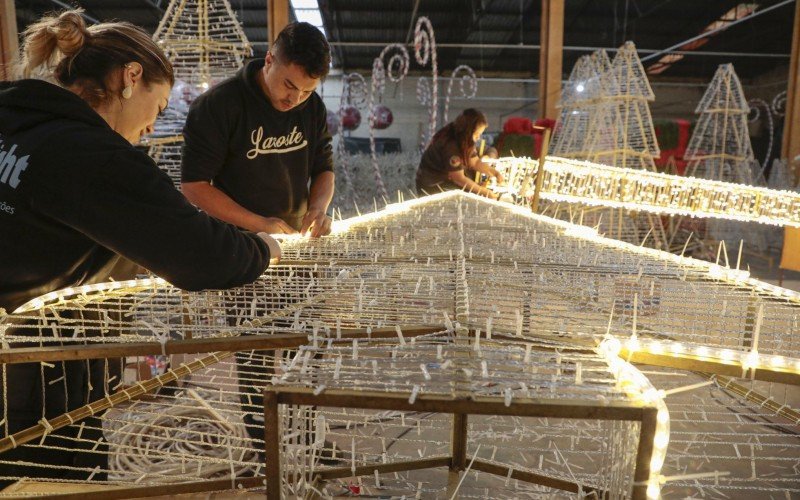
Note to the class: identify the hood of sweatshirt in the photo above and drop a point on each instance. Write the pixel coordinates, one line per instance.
(25, 104)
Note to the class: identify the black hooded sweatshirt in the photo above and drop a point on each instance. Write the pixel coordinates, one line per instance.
(74, 194)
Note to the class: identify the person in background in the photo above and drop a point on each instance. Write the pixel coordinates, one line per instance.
(257, 151)
(489, 153)
(451, 152)
(77, 196)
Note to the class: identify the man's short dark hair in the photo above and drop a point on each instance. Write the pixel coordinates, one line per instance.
(304, 45)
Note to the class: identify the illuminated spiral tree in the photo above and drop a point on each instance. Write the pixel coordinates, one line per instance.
(427, 92)
(467, 85)
(396, 69)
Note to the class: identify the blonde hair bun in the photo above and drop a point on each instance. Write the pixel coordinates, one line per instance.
(61, 49)
(70, 32)
(52, 38)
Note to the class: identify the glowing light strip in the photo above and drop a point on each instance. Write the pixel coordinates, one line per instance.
(108, 286)
(636, 385)
(747, 359)
(639, 190)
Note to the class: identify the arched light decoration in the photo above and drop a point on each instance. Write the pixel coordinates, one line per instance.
(96, 288)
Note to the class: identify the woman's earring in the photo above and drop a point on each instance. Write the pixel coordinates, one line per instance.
(127, 92)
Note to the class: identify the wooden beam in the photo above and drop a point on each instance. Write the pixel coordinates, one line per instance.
(192, 346)
(168, 490)
(690, 362)
(532, 477)
(475, 405)
(791, 129)
(272, 445)
(277, 18)
(458, 442)
(550, 57)
(402, 466)
(8, 38)
(647, 434)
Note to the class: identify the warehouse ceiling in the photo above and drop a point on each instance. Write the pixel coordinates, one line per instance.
(500, 36)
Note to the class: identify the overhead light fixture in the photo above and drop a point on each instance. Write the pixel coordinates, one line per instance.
(307, 11)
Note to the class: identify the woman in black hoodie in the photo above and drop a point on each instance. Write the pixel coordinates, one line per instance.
(75, 195)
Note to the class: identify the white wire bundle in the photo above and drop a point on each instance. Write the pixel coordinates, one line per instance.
(158, 444)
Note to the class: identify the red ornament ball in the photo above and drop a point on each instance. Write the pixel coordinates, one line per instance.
(383, 117)
(351, 117)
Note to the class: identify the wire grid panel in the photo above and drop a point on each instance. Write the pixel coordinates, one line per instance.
(286, 299)
(582, 452)
(402, 268)
(723, 445)
(640, 228)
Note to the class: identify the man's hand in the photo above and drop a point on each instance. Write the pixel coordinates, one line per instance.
(317, 222)
(274, 225)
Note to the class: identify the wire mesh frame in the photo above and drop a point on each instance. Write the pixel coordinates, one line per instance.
(461, 409)
(557, 256)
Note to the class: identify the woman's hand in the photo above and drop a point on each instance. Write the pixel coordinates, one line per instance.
(501, 181)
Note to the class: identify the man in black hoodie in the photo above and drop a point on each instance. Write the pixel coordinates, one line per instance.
(75, 195)
(257, 151)
(258, 154)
